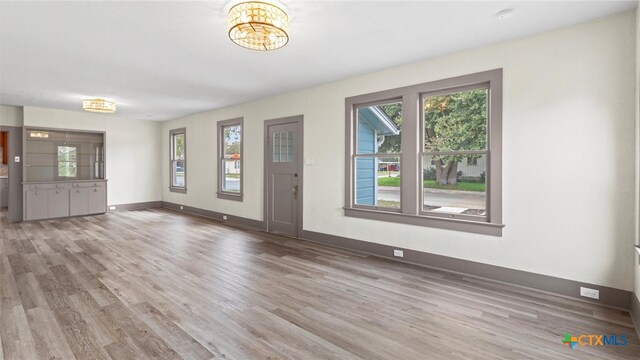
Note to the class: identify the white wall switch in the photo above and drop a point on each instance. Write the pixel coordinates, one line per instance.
(398, 253)
(590, 293)
(16, 159)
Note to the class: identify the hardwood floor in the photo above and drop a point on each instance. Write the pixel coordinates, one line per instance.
(156, 284)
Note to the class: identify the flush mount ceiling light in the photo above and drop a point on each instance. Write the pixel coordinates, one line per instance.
(504, 14)
(258, 25)
(98, 105)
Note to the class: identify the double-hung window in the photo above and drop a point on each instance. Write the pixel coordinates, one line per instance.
(230, 159)
(67, 161)
(178, 160)
(428, 154)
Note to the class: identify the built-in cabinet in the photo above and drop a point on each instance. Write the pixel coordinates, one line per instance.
(64, 173)
(4, 192)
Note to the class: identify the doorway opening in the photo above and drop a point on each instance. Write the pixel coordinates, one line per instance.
(4, 175)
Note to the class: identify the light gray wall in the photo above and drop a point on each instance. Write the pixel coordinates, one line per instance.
(11, 115)
(568, 101)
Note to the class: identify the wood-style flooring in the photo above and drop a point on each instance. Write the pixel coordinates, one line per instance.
(155, 284)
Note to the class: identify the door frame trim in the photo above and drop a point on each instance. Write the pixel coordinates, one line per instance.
(15, 196)
(300, 166)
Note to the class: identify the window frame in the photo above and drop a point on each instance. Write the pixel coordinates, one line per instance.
(172, 135)
(412, 149)
(221, 194)
(374, 155)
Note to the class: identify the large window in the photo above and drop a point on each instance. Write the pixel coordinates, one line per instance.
(428, 154)
(230, 159)
(178, 163)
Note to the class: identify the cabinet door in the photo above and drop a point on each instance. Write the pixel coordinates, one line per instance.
(58, 203)
(97, 200)
(79, 201)
(37, 206)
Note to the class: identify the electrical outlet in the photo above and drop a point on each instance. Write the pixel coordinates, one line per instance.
(181, 207)
(590, 293)
(398, 253)
(224, 217)
(112, 207)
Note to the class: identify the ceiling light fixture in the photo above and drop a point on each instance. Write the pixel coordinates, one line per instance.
(98, 105)
(258, 25)
(504, 14)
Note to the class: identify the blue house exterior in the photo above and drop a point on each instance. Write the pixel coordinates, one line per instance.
(373, 125)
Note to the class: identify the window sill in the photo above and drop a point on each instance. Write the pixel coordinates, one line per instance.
(229, 196)
(469, 226)
(178, 190)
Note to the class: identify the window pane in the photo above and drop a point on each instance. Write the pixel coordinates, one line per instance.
(178, 147)
(232, 141)
(378, 182)
(455, 184)
(456, 121)
(67, 153)
(290, 146)
(276, 147)
(231, 180)
(178, 173)
(378, 129)
(67, 161)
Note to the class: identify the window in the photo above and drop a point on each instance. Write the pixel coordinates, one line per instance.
(67, 164)
(178, 160)
(230, 159)
(377, 164)
(428, 154)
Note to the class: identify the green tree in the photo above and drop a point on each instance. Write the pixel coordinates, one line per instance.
(455, 122)
(231, 140)
(179, 146)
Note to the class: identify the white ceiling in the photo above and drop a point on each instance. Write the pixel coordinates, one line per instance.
(162, 60)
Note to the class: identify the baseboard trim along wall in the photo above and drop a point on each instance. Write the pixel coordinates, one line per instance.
(635, 313)
(254, 224)
(612, 297)
(135, 206)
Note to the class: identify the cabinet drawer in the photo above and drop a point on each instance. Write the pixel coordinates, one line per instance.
(49, 186)
(88, 184)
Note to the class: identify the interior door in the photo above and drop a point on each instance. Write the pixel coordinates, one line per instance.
(284, 176)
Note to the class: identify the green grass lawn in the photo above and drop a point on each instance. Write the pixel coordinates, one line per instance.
(431, 184)
(387, 173)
